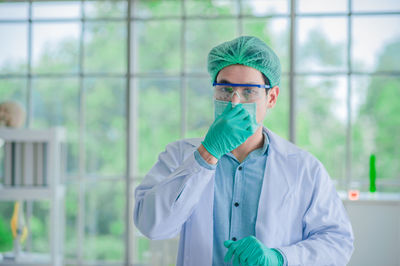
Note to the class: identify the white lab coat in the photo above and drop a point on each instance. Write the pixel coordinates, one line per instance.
(299, 211)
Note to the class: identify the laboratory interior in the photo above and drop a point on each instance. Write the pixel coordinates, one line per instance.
(96, 93)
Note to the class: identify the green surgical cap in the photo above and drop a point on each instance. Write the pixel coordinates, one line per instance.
(249, 51)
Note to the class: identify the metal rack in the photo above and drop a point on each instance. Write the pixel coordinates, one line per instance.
(54, 192)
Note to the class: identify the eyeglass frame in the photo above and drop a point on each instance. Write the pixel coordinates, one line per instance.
(242, 85)
(267, 87)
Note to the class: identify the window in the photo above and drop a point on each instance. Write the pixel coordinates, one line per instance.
(125, 78)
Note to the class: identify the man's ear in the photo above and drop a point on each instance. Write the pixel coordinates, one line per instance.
(272, 96)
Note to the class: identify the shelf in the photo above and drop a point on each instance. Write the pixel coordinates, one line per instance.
(30, 193)
(376, 197)
(30, 259)
(24, 162)
(23, 134)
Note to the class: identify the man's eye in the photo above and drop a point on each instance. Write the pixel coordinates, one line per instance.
(249, 91)
(226, 89)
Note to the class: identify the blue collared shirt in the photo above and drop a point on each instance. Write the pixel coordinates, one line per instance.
(237, 190)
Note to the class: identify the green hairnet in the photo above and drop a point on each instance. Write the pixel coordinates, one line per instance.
(249, 51)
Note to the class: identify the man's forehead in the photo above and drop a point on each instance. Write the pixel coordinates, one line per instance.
(239, 74)
(223, 80)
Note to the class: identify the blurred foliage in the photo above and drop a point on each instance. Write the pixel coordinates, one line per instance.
(58, 57)
(106, 9)
(376, 129)
(97, 40)
(40, 227)
(104, 220)
(319, 128)
(56, 102)
(39, 224)
(6, 211)
(6, 238)
(155, 105)
(105, 125)
(157, 8)
(318, 49)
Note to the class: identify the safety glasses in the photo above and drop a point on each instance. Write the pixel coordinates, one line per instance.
(247, 92)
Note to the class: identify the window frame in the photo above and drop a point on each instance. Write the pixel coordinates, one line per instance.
(132, 177)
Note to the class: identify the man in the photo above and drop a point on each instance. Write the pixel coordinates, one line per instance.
(243, 195)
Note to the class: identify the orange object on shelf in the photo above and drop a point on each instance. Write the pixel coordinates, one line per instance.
(354, 194)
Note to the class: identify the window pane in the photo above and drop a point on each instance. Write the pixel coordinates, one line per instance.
(13, 10)
(105, 47)
(104, 221)
(105, 118)
(277, 118)
(40, 226)
(163, 252)
(211, 8)
(142, 249)
(201, 36)
(315, 6)
(158, 46)
(105, 9)
(321, 117)
(372, 46)
(274, 32)
(375, 6)
(6, 212)
(2, 173)
(200, 107)
(157, 8)
(265, 8)
(14, 90)
(321, 44)
(56, 10)
(141, 245)
(38, 238)
(375, 127)
(55, 47)
(13, 47)
(71, 220)
(159, 118)
(56, 103)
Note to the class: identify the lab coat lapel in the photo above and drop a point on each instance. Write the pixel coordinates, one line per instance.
(275, 192)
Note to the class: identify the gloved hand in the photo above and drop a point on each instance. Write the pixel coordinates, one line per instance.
(229, 130)
(250, 251)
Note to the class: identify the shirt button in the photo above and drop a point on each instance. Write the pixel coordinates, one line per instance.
(236, 204)
(234, 238)
(240, 168)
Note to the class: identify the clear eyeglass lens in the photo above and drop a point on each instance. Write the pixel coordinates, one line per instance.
(249, 94)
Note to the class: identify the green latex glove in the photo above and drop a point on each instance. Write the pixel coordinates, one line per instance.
(250, 251)
(229, 130)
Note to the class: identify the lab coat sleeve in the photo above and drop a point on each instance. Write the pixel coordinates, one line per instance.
(327, 233)
(169, 192)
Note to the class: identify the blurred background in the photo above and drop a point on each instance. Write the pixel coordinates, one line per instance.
(125, 78)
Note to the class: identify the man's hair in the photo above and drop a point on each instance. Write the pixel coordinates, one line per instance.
(266, 80)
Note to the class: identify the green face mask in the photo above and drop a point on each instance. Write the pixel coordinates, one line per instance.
(219, 107)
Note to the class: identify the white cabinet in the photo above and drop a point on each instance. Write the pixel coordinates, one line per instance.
(376, 225)
(47, 185)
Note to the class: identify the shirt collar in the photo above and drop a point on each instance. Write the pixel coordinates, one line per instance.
(258, 152)
(264, 149)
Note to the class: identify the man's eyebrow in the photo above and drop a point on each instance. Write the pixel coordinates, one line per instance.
(224, 81)
(227, 81)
